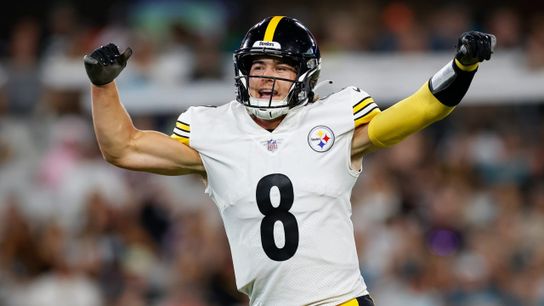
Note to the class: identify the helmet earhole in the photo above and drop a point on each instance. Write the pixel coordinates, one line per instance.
(311, 63)
(302, 96)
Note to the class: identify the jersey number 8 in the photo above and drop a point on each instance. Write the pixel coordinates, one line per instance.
(277, 214)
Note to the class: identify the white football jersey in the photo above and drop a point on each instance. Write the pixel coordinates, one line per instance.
(284, 196)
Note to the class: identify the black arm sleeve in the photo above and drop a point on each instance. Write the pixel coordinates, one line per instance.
(451, 83)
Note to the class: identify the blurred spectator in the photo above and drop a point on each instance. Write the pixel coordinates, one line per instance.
(535, 42)
(61, 281)
(62, 26)
(506, 24)
(208, 59)
(70, 140)
(445, 24)
(19, 155)
(62, 76)
(402, 32)
(143, 70)
(19, 252)
(23, 87)
(341, 33)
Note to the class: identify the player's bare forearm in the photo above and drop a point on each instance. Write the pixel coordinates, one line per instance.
(125, 146)
(155, 152)
(361, 144)
(112, 124)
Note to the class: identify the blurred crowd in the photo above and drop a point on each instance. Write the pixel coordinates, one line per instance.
(452, 216)
(177, 43)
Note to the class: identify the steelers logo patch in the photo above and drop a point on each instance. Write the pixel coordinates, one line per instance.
(321, 138)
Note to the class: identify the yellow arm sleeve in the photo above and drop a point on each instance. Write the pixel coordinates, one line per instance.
(406, 117)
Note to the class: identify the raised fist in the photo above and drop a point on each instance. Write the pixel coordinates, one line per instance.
(474, 47)
(104, 64)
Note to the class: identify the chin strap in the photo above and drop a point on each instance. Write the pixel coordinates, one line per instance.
(261, 108)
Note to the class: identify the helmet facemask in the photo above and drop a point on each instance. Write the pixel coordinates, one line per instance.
(300, 91)
(269, 108)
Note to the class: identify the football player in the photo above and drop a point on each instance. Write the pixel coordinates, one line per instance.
(279, 162)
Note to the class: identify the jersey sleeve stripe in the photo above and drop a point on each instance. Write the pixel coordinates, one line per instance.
(181, 132)
(183, 126)
(364, 119)
(361, 104)
(364, 111)
(180, 138)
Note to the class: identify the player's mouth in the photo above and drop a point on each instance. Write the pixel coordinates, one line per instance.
(267, 93)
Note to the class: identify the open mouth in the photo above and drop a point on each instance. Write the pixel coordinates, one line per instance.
(267, 93)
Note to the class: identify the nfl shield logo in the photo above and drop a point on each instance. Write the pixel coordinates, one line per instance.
(272, 145)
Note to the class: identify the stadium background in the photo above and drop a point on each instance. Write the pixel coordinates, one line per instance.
(452, 216)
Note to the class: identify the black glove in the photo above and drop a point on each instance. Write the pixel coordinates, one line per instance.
(474, 47)
(104, 64)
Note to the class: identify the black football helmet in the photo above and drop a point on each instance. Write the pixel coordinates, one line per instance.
(292, 42)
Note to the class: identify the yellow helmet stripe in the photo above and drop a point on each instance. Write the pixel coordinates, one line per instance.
(271, 28)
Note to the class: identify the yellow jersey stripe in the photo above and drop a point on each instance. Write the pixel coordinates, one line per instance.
(182, 139)
(361, 104)
(365, 111)
(271, 28)
(183, 126)
(366, 119)
(352, 302)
